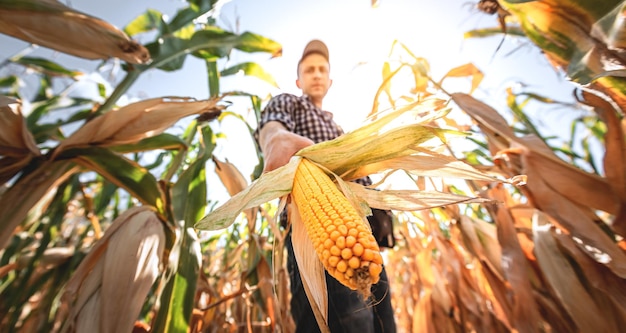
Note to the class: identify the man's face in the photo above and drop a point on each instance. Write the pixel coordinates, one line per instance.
(314, 76)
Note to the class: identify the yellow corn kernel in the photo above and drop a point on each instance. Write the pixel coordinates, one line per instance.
(342, 237)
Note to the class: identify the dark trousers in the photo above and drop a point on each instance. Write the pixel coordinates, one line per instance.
(347, 311)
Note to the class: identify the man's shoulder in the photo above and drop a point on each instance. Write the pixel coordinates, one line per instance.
(285, 97)
(286, 100)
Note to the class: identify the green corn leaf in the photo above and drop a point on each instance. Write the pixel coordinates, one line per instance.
(212, 43)
(162, 141)
(251, 42)
(9, 81)
(104, 195)
(189, 194)
(152, 19)
(121, 171)
(170, 48)
(490, 32)
(250, 69)
(47, 67)
(213, 76)
(177, 297)
(187, 15)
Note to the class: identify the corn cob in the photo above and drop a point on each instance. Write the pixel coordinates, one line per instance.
(342, 238)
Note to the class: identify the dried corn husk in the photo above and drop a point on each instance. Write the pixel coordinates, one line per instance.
(17, 145)
(51, 24)
(136, 121)
(108, 289)
(15, 138)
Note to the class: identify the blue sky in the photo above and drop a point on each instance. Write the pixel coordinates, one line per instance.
(359, 38)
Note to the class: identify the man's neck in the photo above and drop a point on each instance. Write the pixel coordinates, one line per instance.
(316, 101)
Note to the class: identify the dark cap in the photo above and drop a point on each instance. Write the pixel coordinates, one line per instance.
(314, 46)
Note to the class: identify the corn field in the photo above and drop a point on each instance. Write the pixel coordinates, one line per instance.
(106, 223)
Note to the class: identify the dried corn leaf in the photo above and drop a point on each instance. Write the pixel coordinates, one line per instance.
(441, 293)
(126, 283)
(482, 241)
(230, 176)
(409, 200)
(526, 317)
(106, 293)
(424, 263)
(135, 122)
(15, 139)
(572, 43)
(598, 275)
(266, 289)
(545, 177)
(463, 71)
(491, 123)
(11, 166)
(495, 294)
(570, 182)
(422, 315)
(558, 174)
(51, 24)
(17, 201)
(234, 182)
(615, 155)
(426, 163)
(269, 186)
(17, 145)
(468, 295)
(562, 278)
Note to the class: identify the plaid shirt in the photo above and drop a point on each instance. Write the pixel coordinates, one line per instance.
(300, 116)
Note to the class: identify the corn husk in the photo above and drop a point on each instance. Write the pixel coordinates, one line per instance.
(15, 138)
(51, 24)
(136, 121)
(311, 269)
(108, 290)
(17, 145)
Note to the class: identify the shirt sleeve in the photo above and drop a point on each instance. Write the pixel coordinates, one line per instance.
(280, 108)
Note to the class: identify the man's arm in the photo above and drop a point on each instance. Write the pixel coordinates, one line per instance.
(279, 144)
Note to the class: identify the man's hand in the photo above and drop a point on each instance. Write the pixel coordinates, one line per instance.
(279, 145)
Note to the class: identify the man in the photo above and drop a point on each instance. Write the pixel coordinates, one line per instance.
(288, 124)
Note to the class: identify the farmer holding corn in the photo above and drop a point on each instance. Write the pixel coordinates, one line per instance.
(289, 123)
